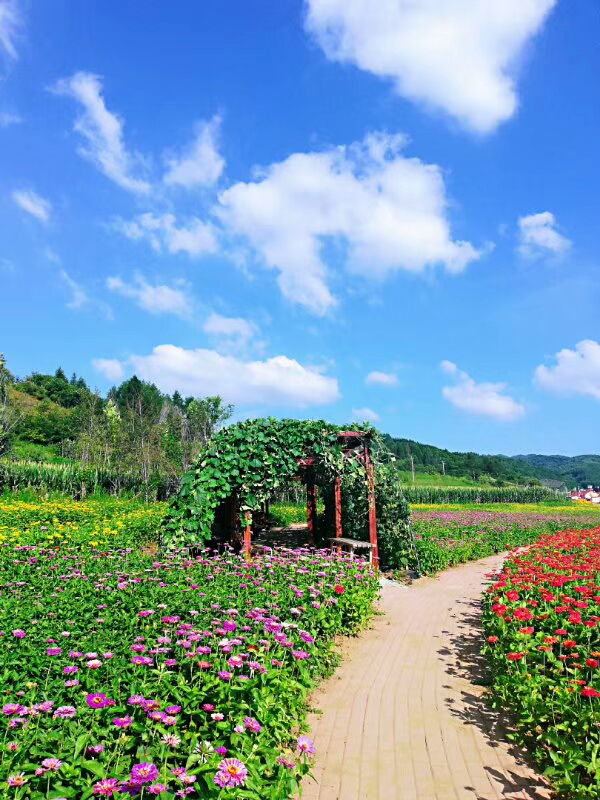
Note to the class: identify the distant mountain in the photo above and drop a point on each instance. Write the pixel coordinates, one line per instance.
(430, 459)
(573, 470)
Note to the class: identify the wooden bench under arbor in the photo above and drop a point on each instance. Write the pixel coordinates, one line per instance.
(340, 542)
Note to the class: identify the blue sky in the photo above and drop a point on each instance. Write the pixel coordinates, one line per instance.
(314, 208)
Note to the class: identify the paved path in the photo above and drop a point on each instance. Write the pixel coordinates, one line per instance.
(404, 717)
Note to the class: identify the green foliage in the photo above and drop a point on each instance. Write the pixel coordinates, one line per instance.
(466, 494)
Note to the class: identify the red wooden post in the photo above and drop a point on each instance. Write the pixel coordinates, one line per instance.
(372, 509)
(311, 508)
(338, 507)
(247, 534)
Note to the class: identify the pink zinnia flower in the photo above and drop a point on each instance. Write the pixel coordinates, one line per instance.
(107, 787)
(122, 722)
(65, 712)
(305, 745)
(17, 780)
(53, 764)
(98, 700)
(144, 773)
(231, 772)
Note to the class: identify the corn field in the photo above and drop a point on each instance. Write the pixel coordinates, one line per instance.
(514, 494)
(73, 479)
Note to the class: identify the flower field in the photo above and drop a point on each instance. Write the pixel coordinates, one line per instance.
(131, 674)
(543, 644)
(446, 537)
(25, 520)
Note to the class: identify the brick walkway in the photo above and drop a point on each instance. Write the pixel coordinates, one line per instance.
(404, 717)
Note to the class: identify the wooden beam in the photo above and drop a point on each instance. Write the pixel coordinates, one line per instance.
(372, 509)
(247, 534)
(338, 506)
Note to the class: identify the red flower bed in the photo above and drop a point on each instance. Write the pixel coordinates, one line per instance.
(541, 618)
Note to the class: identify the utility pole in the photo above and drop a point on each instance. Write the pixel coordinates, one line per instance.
(443, 467)
(412, 467)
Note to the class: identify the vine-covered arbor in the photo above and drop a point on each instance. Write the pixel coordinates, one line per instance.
(248, 463)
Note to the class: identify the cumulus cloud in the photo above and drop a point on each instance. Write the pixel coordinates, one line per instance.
(365, 415)
(481, 399)
(277, 381)
(382, 379)
(102, 131)
(201, 163)
(194, 237)
(538, 235)
(159, 299)
(458, 56)
(111, 368)
(230, 332)
(33, 204)
(10, 21)
(575, 372)
(387, 209)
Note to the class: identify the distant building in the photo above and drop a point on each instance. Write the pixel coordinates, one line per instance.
(557, 486)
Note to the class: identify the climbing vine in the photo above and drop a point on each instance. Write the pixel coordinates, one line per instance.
(254, 459)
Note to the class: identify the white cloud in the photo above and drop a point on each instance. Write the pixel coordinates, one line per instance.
(195, 237)
(388, 209)
(111, 368)
(234, 332)
(103, 133)
(538, 235)
(576, 371)
(277, 381)
(382, 379)
(482, 399)
(79, 297)
(458, 56)
(10, 21)
(33, 204)
(201, 164)
(7, 119)
(365, 415)
(159, 299)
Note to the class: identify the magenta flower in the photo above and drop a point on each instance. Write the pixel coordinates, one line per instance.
(122, 722)
(305, 745)
(65, 712)
(231, 772)
(19, 634)
(157, 788)
(70, 670)
(144, 773)
(252, 724)
(54, 651)
(17, 780)
(107, 787)
(53, 764)
(98, 700)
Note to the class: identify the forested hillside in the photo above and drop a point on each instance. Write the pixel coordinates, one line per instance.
(574, 470)
(136, 430)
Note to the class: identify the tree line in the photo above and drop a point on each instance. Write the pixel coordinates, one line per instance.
(135, 429)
